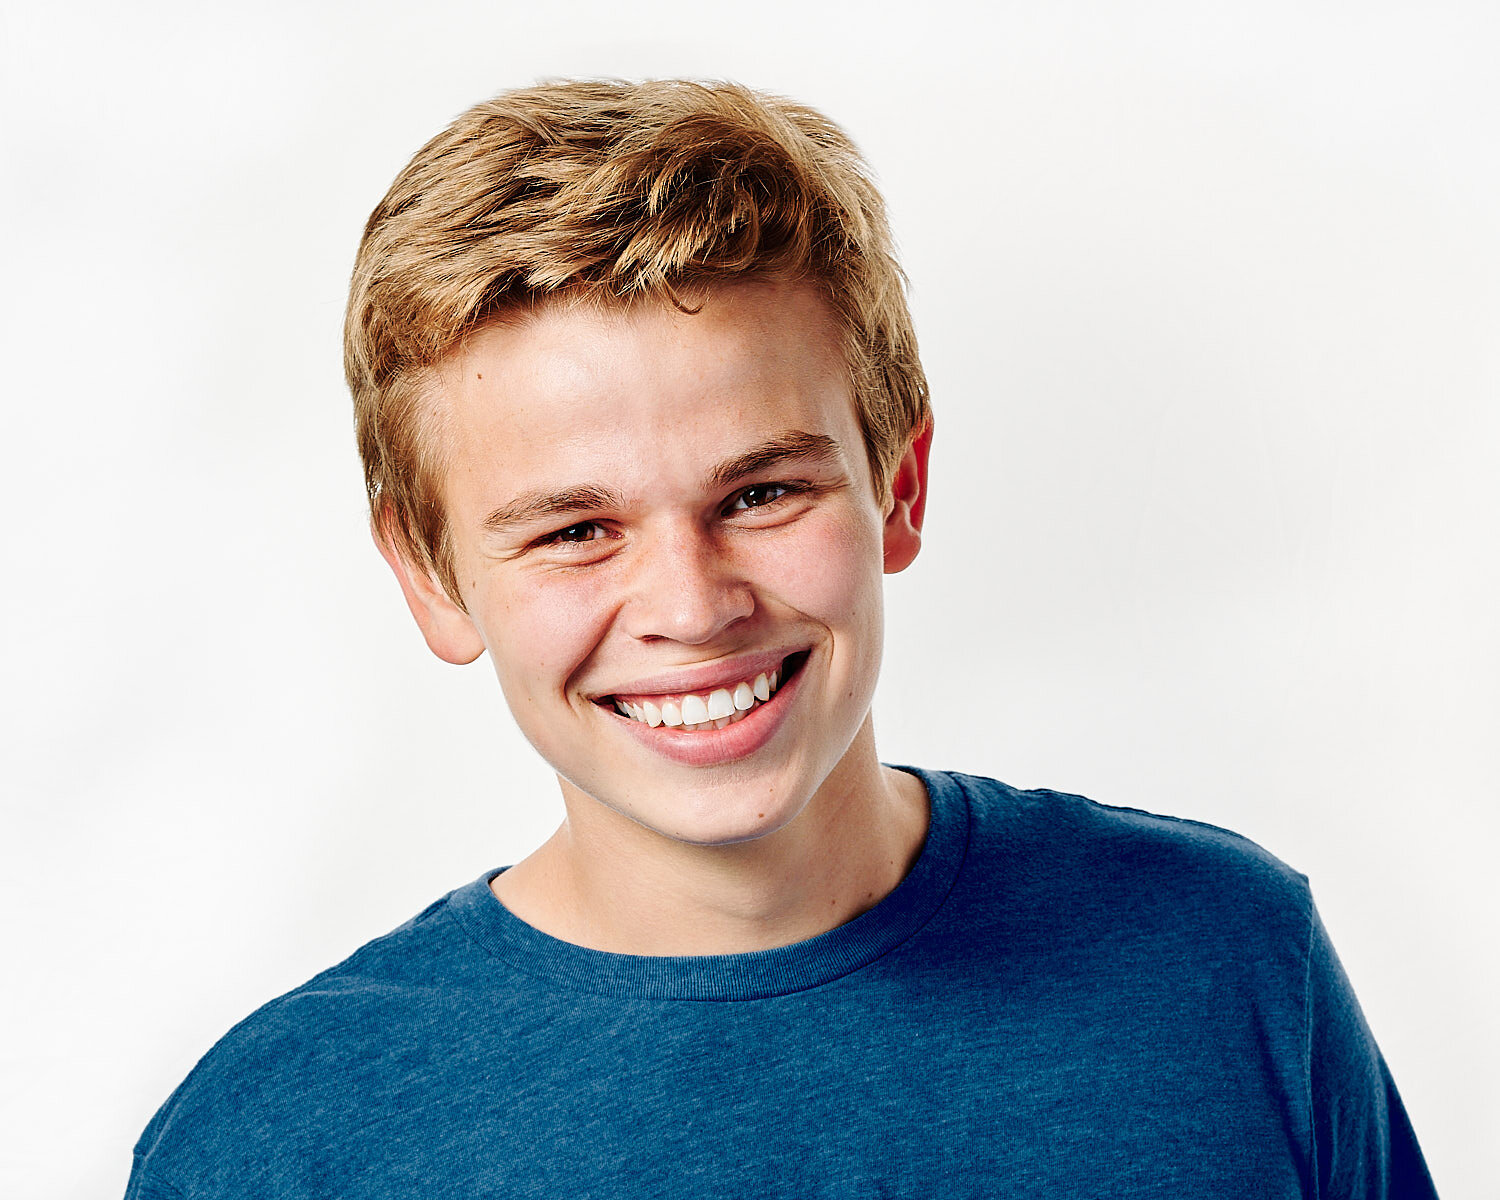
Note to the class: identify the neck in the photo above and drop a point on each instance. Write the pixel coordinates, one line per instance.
(606, 883)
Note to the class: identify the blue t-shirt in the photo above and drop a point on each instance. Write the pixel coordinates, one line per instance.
(1060, 1000)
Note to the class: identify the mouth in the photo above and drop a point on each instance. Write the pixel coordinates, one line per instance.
(709, 709)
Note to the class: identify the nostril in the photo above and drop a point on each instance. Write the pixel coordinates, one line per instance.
(687, 611)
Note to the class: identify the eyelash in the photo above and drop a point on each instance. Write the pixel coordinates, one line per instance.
(557, 539)
(784, 491)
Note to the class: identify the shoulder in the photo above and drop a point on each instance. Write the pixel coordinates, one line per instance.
(307, 1050)
(1067, 857)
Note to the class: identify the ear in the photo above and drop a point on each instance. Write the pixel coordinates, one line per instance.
(903, 523)
(450, 634)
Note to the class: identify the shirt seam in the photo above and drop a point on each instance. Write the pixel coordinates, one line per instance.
(1311, 1184)
(155, 1181)
(553, 980)
(1155, 816)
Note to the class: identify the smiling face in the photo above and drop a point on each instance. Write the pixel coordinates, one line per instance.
(666, 535)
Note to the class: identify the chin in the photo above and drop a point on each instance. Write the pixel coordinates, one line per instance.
(706, 819)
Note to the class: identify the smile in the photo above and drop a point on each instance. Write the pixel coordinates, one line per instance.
(716, 708)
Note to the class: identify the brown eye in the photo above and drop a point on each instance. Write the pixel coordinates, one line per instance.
(760, 495)
(587, 531)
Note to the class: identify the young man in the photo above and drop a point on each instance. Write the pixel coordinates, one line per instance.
(642, 416)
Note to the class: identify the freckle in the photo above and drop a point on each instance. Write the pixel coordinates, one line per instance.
(477, 375)
(760, 816)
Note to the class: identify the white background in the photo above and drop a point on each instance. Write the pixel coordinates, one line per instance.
(1208, 297)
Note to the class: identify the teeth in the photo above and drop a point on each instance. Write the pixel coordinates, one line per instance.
(720, 708)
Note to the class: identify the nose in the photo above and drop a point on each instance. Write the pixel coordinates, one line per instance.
(685, 587)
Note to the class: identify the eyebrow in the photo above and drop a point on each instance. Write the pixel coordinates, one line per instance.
(792, 446)
(533, 506)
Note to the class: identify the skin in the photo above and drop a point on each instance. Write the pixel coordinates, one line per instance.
(642, 573)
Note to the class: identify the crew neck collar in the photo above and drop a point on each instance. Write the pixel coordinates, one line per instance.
(758, 974)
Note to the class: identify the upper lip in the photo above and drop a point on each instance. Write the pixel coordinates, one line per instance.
(703, 677)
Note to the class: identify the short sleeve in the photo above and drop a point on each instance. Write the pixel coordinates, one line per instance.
(1363, 1143)
(143, 1186)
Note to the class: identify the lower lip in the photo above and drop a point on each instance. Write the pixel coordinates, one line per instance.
(710, 747)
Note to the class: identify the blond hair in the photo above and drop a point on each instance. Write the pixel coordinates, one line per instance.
(612, 192)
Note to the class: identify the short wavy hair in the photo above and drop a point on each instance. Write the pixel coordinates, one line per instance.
(612, 192)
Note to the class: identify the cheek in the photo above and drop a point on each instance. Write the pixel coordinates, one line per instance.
(539, 631)
(831, 571)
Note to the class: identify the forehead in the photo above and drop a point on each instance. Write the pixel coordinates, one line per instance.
(641, 389)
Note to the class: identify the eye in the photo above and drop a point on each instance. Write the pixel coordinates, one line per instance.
(584, 531)
(759, 495)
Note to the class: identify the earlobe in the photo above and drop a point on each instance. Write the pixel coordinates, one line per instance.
(449, 632)
(903, 523)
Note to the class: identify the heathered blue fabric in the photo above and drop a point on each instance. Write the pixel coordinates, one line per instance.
(1061, 1000)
